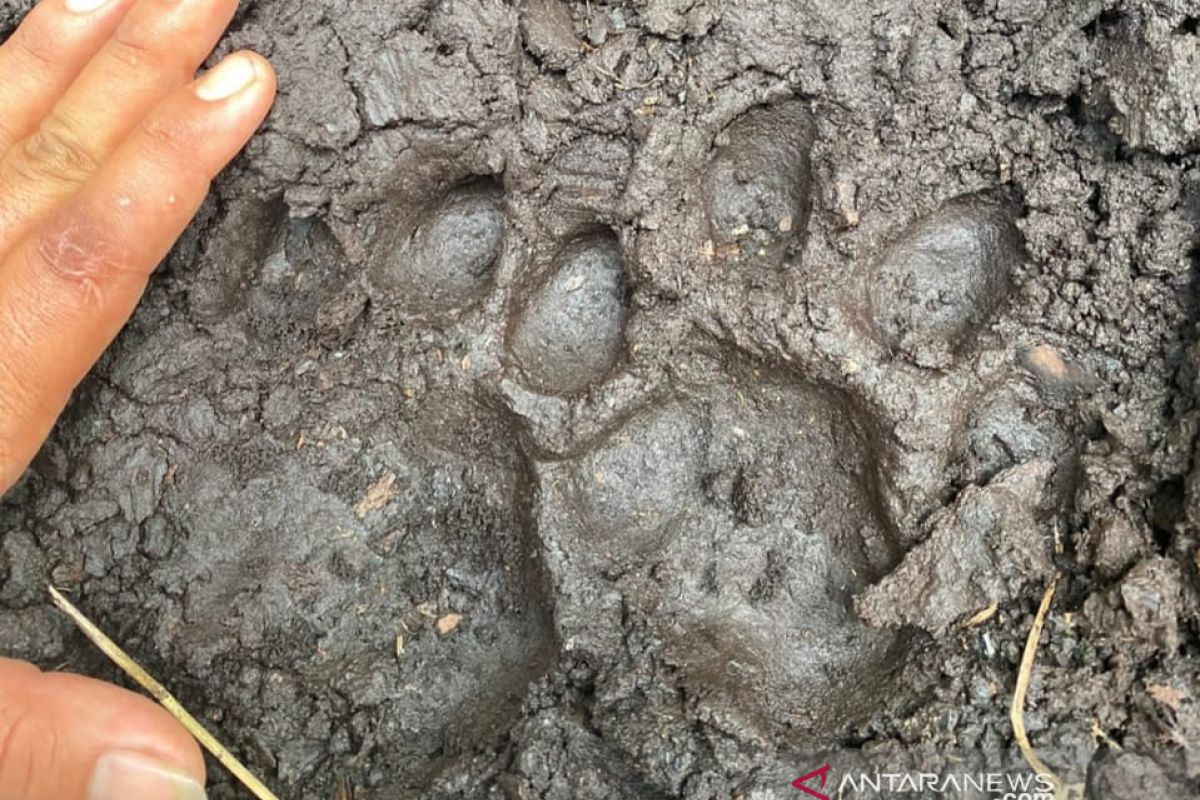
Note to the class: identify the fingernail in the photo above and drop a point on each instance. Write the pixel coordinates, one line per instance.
(85, 6)
(227, 78)
(124, 776)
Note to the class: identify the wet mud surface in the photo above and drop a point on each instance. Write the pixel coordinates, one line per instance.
(592, 400)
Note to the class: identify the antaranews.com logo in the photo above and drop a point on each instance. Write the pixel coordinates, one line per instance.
(823, 785)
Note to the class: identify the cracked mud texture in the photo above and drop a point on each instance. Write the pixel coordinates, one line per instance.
(624, 400)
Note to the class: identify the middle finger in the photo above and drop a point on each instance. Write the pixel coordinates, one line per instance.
(157, 48)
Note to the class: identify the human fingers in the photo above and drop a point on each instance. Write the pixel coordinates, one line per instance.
(65, 737)
(68, 288)
(44, 56)
(156, 48)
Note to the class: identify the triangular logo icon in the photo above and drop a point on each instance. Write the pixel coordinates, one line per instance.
(801, 783)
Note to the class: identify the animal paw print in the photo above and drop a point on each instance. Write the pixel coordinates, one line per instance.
(740, 519)
(739, 506)
(443, 259)
(386, 554)
(511, 477)
(738, 513)
(568, 331)
(757, 185)
(945, 277)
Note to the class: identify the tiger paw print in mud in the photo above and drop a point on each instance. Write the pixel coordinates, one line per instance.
(367, 537)
(484, 472)
(729, 503)
(747, 508)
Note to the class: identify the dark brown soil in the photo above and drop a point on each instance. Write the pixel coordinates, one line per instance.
(588, 400)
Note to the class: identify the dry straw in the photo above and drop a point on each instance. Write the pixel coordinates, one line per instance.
(1017, 714)
(160, 693)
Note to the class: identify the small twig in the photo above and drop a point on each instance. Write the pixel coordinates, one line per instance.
(982, 616)
(344, 790)
(160, 693)
(1100, 735)
(1017, 713)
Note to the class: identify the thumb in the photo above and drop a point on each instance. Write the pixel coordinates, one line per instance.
(65, 737)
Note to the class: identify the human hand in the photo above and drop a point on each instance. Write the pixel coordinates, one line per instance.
(107, 148)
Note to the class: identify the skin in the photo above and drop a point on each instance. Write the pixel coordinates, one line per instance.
(108, 144)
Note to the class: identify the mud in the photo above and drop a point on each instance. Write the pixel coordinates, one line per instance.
(592, 400)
